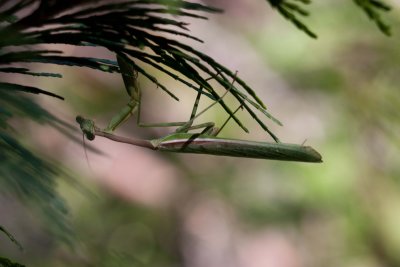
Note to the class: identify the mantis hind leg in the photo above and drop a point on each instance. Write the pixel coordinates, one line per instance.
(209, 127)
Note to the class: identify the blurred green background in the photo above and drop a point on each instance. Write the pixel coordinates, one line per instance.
(133, 207)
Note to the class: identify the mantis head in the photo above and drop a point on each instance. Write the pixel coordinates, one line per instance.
(87, 126)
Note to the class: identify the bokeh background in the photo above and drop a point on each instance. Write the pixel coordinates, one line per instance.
(134, 207)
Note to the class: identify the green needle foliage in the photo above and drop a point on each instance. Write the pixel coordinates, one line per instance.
(4, 261)
(138, 31)
(11, 237)
(142, 32)
(292, 9)
(373, 8)
(24, 173)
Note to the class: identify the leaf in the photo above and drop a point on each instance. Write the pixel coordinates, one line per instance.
(28, 89)
(4, 262)
(25, 173)
(291, 9)
(372, 9)
(125, 27)
(288, 10)
(11, 237)
(27, 72)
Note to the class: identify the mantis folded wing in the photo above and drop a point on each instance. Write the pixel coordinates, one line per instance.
(212, 145)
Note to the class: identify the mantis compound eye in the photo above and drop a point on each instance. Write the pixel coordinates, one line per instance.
(90, 136)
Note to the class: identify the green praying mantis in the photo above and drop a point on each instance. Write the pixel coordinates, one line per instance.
(181, 141)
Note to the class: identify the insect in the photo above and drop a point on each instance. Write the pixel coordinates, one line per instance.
(213, 145)
(206, 142)
(129, 75)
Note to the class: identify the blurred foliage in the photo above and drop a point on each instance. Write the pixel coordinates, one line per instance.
(4, 261)
(8, 263)
(11, 237)
(23, 171)
(143, 237)
(372, 9)
(355, 195)
(359, 77)
(291, 9)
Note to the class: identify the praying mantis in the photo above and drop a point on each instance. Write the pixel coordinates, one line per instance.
(181, 141)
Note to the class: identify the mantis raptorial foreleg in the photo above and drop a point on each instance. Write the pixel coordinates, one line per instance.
(129, 75)
(88, 127)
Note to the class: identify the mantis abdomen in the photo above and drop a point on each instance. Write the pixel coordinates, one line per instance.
(202, 144)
